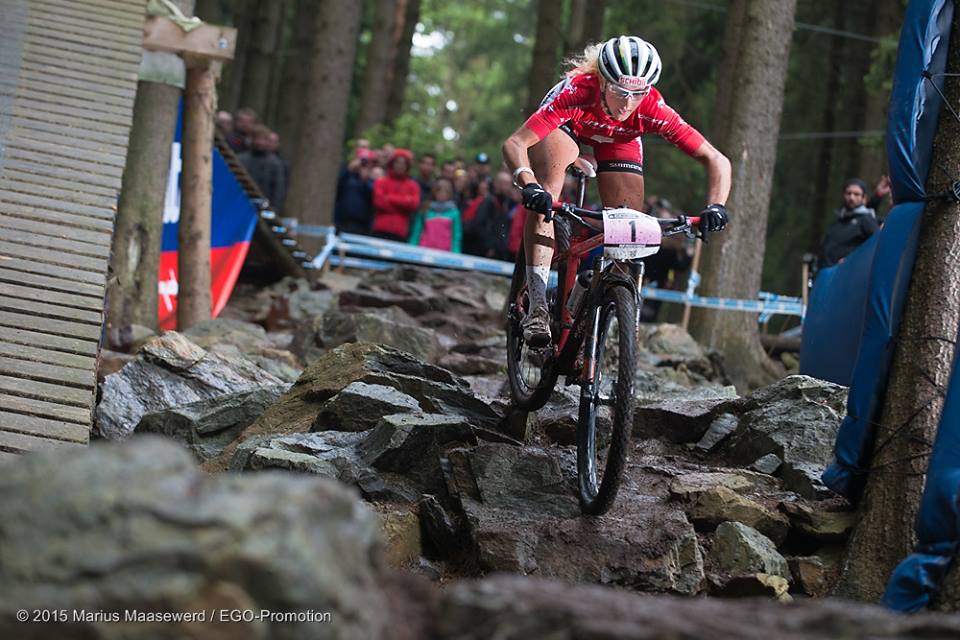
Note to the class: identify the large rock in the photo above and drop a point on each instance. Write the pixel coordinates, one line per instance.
(796, 419)
(171, 371)
(435, 389)
(514, 607)
(391, 329)
(138, 527)
(740, 550)
(709, 499)
(676, 420)
(360, 406)
(520, 510)
(207, 426)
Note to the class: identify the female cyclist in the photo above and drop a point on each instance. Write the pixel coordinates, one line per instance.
(607, 101)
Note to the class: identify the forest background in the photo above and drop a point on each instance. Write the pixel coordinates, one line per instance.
(455, 79)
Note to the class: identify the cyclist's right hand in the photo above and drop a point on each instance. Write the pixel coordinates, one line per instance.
(537, 199)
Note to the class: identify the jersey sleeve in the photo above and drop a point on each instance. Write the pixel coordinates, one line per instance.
(661, 119)
(561, 105)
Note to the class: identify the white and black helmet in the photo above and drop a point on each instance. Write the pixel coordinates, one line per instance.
(629, 62)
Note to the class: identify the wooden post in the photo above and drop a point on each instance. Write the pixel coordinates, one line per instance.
(694, 268)
(200, 100)
(805, 285)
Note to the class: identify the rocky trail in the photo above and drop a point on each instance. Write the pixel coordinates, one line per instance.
(389, 390)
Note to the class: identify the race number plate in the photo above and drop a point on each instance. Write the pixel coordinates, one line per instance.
(629, 234)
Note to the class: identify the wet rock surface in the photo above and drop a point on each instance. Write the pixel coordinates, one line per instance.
(399, 393)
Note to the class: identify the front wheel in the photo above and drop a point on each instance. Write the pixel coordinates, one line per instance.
(606, 400)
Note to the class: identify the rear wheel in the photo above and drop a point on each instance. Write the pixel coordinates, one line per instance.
(606, 402)
(531, 372)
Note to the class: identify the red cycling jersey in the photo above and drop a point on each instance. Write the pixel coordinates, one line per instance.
(577, 103)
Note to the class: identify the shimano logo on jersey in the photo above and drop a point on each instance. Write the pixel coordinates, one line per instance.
(614, 164)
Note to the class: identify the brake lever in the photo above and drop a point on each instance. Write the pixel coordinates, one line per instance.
(548, 216)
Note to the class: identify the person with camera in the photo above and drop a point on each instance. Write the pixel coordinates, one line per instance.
(353, 211)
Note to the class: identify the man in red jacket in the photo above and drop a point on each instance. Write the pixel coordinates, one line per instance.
(396, 197)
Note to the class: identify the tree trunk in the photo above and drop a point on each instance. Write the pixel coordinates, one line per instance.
(825, 168)
(244, 12)
(592, 25)
(921, 369)
(199, 105)
(138, 227)
(871, 161)
(209, 11)
(733, 260)
(286, 28)
(260, 57)
(312, 183)
(293, 78)
(573, 36)
(378, 76)
(398, 86)
(729, 72)
(543, 70)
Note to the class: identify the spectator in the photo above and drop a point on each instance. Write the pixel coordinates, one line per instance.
(385, 154)
(461, 188)
(353, 212)
(448, 170)
(438, 227)
(243, 125)
(854, 224)
(265, 167)
(275, 150)
(396, 197)
(427, 166)
(488, 232)
(664, 268)
(225, 124)
(483, 190)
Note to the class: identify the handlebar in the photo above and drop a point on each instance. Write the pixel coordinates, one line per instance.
(675, 225)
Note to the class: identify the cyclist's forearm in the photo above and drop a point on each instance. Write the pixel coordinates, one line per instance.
(516, 156)
(719, 173)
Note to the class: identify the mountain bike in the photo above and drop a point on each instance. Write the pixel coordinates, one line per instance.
(595, 319)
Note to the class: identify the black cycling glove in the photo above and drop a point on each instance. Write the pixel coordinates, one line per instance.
(714, 218)
(537, 199)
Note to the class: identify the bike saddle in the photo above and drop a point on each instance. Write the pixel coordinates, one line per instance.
(585, 165)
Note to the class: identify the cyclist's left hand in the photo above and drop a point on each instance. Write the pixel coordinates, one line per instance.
(713, 218)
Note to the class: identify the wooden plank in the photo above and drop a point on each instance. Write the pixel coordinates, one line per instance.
(52, 134)
(115, 103)
(72, 78)
(69, 195)
(13, 276)
(70, 45)
(44, 427)
(16, 197)
(63, 328)
(21, 305)
(73, 300)
(51, 46)
(77, 130)
(131, 37)
(6, 456)
(62, 412)
(16, 172)
(25, 138)
(71, 117)
(80, 70)
(36, 163)
(208, 41)
(68, 245)
(98, 239)
(73, 276)
(36, 354)
(94, 15)
(57, 217)
(38, 101)
(52, 256)
(20, 443)
(46, 372)
(43, 391)
(120, 41)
